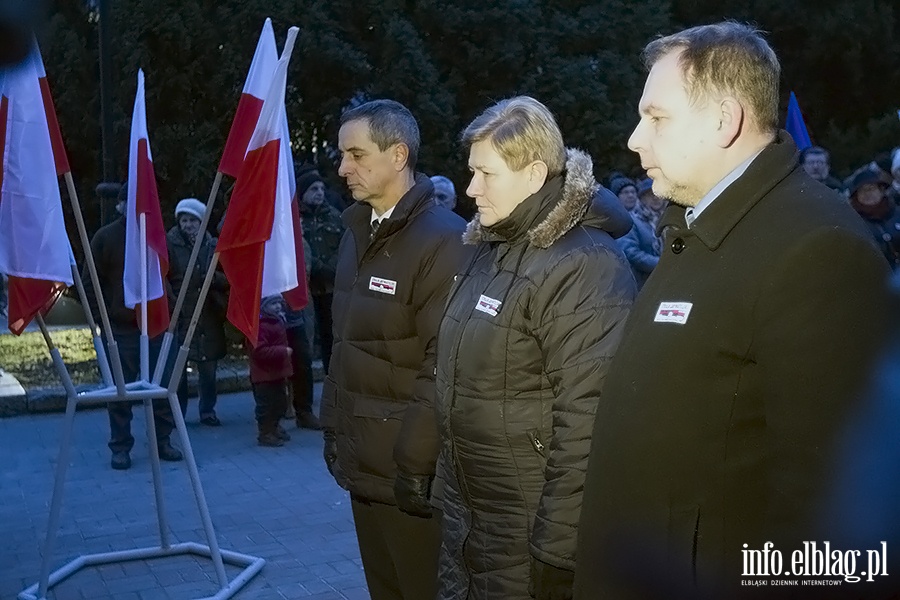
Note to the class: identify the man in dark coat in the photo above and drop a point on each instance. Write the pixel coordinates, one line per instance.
(524, 347)
(745, 357)
(322, 228)
(108, 249)
(396, 262)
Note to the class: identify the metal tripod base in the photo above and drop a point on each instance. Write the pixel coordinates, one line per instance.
(145, 392)
(252, 565)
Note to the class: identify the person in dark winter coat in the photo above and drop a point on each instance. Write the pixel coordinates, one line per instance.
(396, 262)
(208, 344)
(108, 249)
(868, 198)
(626, 190)
(301, 360)
(322, 228)
(523, 351)
(642, 246)
(745, 356)
(816, 161)
(270, 369)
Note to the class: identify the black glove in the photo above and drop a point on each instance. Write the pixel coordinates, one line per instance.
(330, 450)
(549, 582)
(412, 494)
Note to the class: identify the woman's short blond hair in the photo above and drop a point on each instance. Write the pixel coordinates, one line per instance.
(521, 130)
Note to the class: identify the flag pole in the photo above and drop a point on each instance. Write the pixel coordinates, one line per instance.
(111, 344)
(145, 340)
(162, 359)
(63, 460)
(102, 360)
(195, 318)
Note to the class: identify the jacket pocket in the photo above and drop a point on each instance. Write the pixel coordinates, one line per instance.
(376, 426)
(536, 443)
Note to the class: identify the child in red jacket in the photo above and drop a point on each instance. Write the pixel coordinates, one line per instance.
(270, 369)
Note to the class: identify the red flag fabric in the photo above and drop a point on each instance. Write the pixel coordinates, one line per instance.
(59, 149)
(27, 298)
(34, 248)
(257, 246)
(143, 199)
(255, 88)
(298, 297)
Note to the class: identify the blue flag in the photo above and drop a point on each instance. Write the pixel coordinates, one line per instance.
(795, 125)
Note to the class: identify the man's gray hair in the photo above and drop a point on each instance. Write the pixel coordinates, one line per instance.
(389, 123)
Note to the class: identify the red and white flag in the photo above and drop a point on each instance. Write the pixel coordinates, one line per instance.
(34, 248)
(59, 150)
(257, 245)
(298, 297)
(259, 79)
(143, 199)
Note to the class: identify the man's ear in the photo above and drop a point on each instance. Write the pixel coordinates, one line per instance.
(732, 120)
(537, 175)
(400, 156)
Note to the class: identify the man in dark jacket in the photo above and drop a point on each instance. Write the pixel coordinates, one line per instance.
(108, 248)
(323, 229)
(396, 262)
(746, 354)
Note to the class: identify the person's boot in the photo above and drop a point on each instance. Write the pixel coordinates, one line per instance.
(307, 420)
(167, 452)
(283, 435)
(268, 436)
(120, 461)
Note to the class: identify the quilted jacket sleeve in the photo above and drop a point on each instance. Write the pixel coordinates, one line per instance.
(579, 313)
(417, 446)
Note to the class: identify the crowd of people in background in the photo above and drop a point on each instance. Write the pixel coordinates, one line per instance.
(281, 364)
(873, 190)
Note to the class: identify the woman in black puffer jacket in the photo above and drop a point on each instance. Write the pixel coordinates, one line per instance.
(523, 349)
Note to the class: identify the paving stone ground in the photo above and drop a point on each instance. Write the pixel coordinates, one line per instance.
(277, 503)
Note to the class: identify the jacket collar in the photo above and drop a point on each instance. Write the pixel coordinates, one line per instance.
(357, 215)
(556, 208)
(775, 163)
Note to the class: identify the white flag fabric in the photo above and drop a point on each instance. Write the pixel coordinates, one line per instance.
(259, 225)
(256, 86)
(143, 199)
(33, 240)
(280, 260)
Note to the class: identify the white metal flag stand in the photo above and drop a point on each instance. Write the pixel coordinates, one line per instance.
(146, 390)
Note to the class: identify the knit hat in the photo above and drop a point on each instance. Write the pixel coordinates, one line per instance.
(620, 183)
(644, 185)
(862, 178)
(268, 303)
(306, 181)
(190, 206)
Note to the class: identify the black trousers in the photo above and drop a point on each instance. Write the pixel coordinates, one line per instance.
(322, 304)
(302, 380)
(120, 438)
(271, 403)
(399, 552)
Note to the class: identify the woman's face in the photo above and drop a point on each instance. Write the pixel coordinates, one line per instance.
(189, 224)
(497, 189)
(869, 194)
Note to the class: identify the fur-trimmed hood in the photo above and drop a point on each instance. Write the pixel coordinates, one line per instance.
(582, 200)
